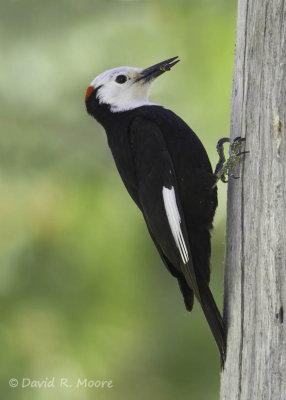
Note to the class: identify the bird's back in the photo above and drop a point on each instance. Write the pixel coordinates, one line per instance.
(195, 181)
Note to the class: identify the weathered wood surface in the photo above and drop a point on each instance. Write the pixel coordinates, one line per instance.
(255, 275)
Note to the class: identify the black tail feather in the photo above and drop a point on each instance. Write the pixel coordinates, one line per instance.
(214, 320)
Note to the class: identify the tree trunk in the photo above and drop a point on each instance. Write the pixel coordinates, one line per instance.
(255, 275)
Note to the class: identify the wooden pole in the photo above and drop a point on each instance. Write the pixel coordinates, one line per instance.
(255, 272)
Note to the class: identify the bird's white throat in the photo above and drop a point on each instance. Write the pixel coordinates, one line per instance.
(131, 94)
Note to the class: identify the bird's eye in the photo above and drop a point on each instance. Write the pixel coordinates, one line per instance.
(121, 79)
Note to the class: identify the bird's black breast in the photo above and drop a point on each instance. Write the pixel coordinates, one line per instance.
(116, 126)
(191, 162)
(121, 147)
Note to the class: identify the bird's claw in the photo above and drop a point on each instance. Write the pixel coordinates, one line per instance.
(224, 167)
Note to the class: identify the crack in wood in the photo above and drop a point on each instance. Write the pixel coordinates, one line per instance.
(280, 315)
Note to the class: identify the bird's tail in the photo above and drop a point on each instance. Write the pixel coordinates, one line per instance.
(215, 321)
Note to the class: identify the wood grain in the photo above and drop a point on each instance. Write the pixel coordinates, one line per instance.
(255, 271)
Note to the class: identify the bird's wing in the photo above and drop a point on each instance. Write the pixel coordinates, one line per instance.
(186, 291)
(159, 196)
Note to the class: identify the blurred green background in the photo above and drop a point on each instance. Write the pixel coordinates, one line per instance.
(83, 292)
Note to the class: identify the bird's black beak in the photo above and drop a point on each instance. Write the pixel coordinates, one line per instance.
(157, 69)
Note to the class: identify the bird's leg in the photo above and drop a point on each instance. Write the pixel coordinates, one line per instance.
(224, 167)
(220, 150)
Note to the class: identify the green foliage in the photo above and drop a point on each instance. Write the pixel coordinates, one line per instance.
(83, 291)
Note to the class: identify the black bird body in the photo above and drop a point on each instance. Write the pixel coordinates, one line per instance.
(166, 171)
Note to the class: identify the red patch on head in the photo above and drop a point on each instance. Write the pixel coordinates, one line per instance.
(89, 90)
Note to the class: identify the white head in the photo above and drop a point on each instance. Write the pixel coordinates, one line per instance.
(126, 88)
(121, 89)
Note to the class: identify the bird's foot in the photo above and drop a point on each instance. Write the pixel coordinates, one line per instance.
(224, 167)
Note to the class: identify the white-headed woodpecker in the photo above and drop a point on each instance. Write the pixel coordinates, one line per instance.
(166, 171)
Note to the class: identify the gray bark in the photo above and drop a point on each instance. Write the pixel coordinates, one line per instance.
(255, 275)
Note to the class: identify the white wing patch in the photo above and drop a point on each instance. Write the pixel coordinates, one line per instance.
(174, 220)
